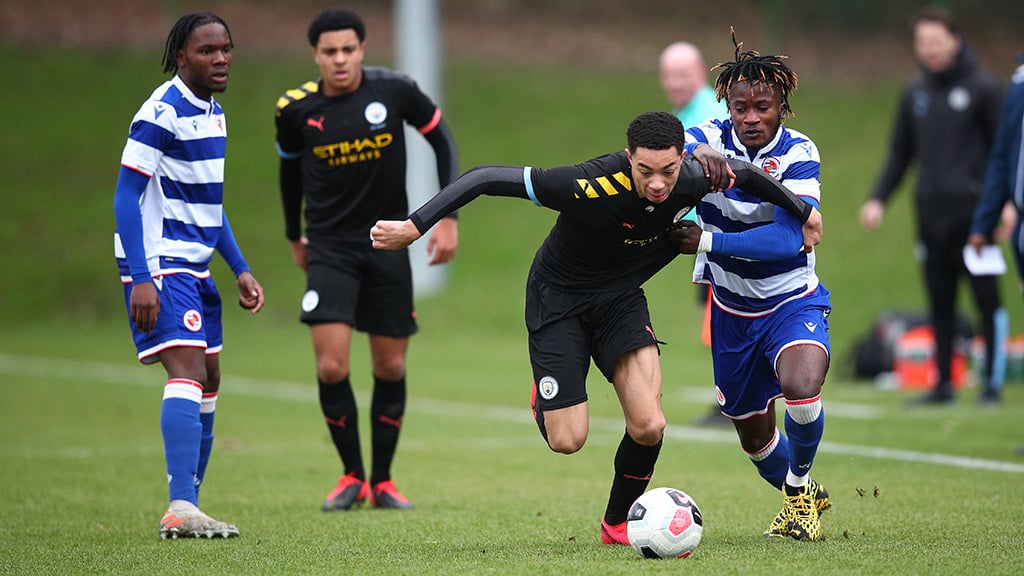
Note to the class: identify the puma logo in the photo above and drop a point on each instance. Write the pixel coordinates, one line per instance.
(340, 422)
(316, 123)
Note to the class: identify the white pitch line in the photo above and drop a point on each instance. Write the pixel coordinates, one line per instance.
(104, 372)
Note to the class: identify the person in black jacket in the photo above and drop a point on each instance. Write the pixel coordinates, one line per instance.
(946, 123)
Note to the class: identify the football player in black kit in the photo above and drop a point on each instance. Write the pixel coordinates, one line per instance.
(583, 296)
(342, 147)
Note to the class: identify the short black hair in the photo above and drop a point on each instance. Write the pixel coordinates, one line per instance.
(936, 14)
(333, 19)
(753, 68)
(655, 131)
(177, 39)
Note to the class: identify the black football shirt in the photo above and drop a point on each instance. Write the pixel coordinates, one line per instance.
(352, 151)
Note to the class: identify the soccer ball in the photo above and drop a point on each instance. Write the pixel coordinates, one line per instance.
(664, 523)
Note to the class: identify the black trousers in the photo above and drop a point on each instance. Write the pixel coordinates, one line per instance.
(943, 227)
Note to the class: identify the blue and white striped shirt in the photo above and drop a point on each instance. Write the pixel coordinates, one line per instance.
(742, 283)
(178, 141)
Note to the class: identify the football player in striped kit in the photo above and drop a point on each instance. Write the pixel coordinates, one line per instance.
(769, 322)
(170, 221)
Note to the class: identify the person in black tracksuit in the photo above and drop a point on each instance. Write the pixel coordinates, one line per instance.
(946, 122)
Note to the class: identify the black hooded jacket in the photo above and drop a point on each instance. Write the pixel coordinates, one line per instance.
(946, 122)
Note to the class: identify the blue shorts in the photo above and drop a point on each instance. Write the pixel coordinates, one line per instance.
(744, 350)
(190, 315)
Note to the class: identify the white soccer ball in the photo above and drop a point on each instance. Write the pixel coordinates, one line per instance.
(664, 523)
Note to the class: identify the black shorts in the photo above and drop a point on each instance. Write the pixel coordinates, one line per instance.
(366, 288)
(567, 329)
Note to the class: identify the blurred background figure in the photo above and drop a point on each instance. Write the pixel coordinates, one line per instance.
(684, 78)
(1003, 192)
(946, 121)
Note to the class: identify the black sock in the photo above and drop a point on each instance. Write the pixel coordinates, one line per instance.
(634, 466)
(386, 409)
(338, 404)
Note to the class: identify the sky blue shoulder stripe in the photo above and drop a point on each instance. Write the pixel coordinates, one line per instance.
(529, 185)
(287, 155)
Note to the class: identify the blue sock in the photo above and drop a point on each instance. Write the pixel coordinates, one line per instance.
(182, 430)
(206, 413)
(772, 461)
(805, 423)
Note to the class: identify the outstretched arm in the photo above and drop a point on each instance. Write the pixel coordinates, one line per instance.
(482, 180)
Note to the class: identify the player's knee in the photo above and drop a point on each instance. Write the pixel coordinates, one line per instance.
(805, 385)
(565, 445)
(331, 369)
(565, 440)
(389, 369)
(647, 431)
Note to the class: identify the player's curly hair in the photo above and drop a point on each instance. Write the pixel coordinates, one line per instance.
(753, 68)
(655, 131)
(333, 19)
(177, 39)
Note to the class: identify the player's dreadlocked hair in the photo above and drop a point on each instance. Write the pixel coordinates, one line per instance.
(753, 68)
(178, 37)
(655, 131)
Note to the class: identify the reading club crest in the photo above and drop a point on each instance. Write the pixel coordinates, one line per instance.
(376, 113)
(192, 320)
(771, 166)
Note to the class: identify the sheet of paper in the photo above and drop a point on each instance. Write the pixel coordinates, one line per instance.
(989, 263)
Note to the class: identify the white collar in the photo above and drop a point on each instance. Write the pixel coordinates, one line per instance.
(207, 105)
